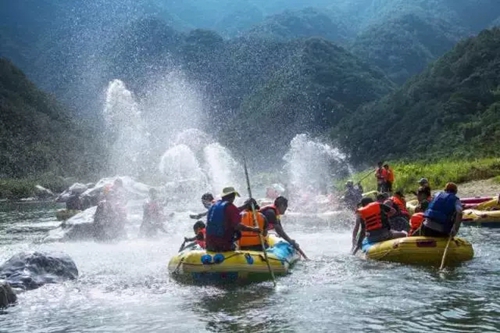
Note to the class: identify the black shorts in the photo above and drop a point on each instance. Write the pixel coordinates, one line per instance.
(388, 186)
(424, 231)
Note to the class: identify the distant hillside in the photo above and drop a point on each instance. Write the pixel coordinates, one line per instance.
(403, 47)
(451, 109)
(38, 135)
(309, 22)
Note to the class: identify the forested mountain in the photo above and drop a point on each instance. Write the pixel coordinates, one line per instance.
(263, 70)
(403, 47)
(40, 136)
(452, 108)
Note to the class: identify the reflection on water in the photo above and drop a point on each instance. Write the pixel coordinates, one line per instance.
(126, 287)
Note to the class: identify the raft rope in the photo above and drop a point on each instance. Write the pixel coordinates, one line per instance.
(225, 258)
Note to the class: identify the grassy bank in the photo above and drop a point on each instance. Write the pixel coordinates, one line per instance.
(16, 188)
(438, 173)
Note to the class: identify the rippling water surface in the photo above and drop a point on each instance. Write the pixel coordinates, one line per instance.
(125, 287)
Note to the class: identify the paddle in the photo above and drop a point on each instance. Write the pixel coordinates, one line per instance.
(254, 214)
(182, 246)
(372, 171)
(445, 252)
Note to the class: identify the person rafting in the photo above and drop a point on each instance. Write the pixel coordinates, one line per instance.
(424, 197)
(352, 195)
(381, 176)
(250, 241)
(223, 222)
(443, 217)
(109, 223)
(199, 229)
(273, 213)
(389, 180)
(372, 222)
(207, 200)
(153, 217)
(400, 220)
(424, 182)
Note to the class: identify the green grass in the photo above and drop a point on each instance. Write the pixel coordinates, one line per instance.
(438, 173)
(16, 188)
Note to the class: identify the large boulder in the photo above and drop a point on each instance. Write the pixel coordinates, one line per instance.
(78, 227)
(31, 270)
(7, 295)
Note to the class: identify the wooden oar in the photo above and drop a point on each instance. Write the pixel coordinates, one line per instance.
(254, 214)
(445, 252)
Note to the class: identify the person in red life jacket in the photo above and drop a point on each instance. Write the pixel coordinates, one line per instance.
(381, 176)
(199, 229)
(389, 179)
(250, 241)
(273, 213)
(372, 222)
(223, 222)
(416, 221)
(207, 201)
(443, 217)
(153, 217)
(400, 220)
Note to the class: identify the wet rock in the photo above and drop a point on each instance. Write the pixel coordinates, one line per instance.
(31, 270)
(78, 227)
(7, 295)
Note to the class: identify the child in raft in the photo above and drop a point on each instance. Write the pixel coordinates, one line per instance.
(199, 231)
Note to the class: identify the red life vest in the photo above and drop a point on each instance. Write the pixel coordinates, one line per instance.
(416, 221)
(270, 226)
(372, 216)
(401, 205)
(202, 242)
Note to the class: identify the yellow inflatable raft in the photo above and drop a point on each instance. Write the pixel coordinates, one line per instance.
(200, 266)
(481, 218)
(64, 214)
(420, 250)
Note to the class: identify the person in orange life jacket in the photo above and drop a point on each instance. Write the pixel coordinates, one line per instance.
(223, 222)
(153, 217)
(381, 175)
(444, 214)
(199, 229)
(272, 214)
(400, 220)
(250, 241)
(389, 178)
(207, 200)
(373, 223)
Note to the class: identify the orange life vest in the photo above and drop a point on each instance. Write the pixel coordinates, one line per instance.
(250, 238)
(401, 204)
(273, 207)
(202, 242)
(390, 175)
(372, 215)
(416, 221)
(381, 175)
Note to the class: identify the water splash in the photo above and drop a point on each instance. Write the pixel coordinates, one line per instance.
(222, 169)
(124, 121)
(312, 167)
(195, 164)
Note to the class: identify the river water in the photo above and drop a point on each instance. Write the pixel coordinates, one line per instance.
(125, 287)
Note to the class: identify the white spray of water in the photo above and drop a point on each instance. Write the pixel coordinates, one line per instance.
(200, 164)
(222, 168)
(312, 167)
(123, 119)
